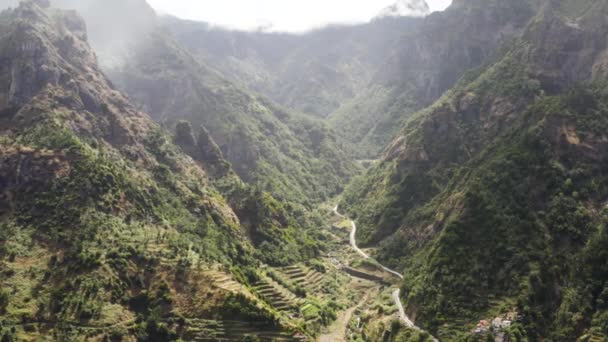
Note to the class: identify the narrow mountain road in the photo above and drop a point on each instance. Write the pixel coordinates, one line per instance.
(396, 298)
(353, 233)
(353, 244)
(402, 314)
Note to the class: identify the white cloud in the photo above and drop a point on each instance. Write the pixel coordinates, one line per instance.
(286, 15)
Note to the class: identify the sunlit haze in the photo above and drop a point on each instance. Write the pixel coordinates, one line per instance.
(290, 15)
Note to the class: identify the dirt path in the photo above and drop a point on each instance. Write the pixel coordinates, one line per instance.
(338, 328)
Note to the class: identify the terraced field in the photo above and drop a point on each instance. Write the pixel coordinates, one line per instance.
(276, 295)
(225, 282)
(210, 330)
(596, 337)
(310, 279)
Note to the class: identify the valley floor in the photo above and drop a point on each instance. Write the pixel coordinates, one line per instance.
(337, 331)
(389, 274)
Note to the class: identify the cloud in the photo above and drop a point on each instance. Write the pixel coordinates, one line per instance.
(286, 15)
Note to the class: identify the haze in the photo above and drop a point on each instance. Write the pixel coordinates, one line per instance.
(281, 15)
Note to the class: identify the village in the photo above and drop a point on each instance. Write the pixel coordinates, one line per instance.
(498, 325)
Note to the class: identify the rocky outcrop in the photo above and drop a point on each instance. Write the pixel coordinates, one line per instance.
(46, 56)
(210, 151)
(202, 149)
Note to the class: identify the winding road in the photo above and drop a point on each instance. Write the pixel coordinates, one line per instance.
(396, 298)
(353, 244)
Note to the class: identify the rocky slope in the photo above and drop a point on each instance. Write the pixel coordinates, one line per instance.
(493, 197)
(107, 229)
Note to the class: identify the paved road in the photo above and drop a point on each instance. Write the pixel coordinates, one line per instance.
(353, 243)
(402, 314)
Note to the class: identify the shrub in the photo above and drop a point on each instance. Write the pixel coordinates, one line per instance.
(4, 299)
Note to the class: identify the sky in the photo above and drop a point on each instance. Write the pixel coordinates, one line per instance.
(283, 15)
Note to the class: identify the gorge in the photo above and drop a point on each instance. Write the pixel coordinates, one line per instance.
(164, 179)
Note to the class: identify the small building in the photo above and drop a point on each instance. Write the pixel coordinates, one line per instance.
(497, 323)
(482, 327)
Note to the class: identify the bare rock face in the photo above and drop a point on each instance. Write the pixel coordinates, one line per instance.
(210, 151)
(184, 137)
(201, 148)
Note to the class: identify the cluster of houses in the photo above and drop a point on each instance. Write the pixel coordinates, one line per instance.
(498, 324)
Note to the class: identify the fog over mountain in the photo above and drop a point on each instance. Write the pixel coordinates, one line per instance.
(282, 16)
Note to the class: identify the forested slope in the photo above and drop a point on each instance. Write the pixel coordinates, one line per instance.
(493, 197)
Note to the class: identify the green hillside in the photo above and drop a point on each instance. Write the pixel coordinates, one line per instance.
(493, 197)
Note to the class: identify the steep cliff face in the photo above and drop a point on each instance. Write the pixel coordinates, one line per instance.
(493, 196)
(449, 43)
(202, 148)
(106, 227)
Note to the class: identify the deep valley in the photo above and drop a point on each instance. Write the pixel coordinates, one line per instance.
(426, 175)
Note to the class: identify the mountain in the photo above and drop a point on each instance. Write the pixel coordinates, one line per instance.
(197, 208)
(491, 199)
(108, 229)
(314, 72)
(423, 64)
(406, 8)
(285, 153)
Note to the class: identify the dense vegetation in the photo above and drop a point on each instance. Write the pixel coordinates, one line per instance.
(293, 156)
(107, 229)
(493, 198)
